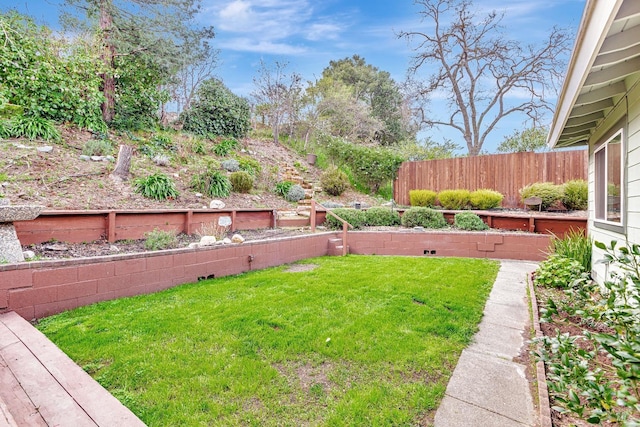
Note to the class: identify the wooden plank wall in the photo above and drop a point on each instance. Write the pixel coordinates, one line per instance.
(506, 173)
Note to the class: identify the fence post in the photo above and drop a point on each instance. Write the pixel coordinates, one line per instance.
(312, 217)
(111, 227)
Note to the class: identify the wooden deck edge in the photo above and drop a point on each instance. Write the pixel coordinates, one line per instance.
(96, 401)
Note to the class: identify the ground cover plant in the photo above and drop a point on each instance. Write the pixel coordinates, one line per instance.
(356, 340)
(591, 342)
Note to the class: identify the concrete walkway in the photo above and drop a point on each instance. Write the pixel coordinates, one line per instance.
(488, 388)
(41, 386)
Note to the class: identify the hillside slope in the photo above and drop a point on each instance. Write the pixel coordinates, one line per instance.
(55, 176)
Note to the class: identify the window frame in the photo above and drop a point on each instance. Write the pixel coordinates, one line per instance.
(601, 200)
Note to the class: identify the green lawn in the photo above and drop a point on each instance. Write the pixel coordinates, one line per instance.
(359, 340)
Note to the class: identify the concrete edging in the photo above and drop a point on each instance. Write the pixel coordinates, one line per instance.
(541, 377)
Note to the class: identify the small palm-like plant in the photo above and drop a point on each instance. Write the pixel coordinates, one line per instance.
(157, 186)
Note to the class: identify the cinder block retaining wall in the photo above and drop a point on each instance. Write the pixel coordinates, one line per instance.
(42, 288)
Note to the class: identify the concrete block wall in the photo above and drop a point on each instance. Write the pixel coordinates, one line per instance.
(42, 288)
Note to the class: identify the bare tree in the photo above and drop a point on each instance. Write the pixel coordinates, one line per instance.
(279, 93)
(487, 76)
(195, 69)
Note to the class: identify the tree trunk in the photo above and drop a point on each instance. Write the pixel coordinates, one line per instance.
(123, 164)
(108, 53)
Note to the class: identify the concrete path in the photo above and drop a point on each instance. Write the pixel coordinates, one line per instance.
(41, 386)
(488, 388)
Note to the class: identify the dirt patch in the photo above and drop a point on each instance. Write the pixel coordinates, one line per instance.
(298, 268)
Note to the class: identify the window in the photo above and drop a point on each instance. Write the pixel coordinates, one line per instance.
(608, 180)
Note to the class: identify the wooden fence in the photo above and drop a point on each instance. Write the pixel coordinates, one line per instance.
(506, 173)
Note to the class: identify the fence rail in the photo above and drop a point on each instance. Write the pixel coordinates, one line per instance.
(506, 173)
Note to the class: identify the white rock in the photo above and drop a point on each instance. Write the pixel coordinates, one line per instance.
(198, 194)
(226, 241)
(45, 149)
(114, 248)
(207, 241)
(84, 157)
(28, 254)
(236, 238)
(194, 245)
(216, 204)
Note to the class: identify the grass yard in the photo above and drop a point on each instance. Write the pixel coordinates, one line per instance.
(357, 340)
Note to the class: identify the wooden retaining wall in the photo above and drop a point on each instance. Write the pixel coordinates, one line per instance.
(506, 173)
(42, 288)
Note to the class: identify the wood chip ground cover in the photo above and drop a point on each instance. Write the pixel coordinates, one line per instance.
(343, 343)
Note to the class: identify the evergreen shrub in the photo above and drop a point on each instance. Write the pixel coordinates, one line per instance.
(485, 199)
(454, 199)
(424, 198)
(423, 217)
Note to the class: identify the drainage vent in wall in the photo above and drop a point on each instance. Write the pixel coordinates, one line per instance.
(429, 252)
(211, 276)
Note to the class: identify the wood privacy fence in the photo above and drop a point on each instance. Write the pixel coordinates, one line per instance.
(506, 173)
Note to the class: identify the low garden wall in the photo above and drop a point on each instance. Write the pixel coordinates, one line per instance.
(42, 288)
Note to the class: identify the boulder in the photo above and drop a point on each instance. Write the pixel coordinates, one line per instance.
(236, 238)
(207, 241)
(216, 204)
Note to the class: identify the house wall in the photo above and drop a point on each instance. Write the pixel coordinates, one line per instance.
(628, 110)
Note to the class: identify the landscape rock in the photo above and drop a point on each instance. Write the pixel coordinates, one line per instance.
(10, 213)
(216, 204)
(226, 241)
(236, 238)
(194, 245)
(56, 247)
(114, 248)
(28, 254)
(45, 149)
(207, 241)
(198, 195)
(85, 157)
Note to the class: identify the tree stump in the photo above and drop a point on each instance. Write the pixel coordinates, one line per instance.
(123, 164)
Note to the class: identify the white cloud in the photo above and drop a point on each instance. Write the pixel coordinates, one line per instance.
(261, 46)
(323, 32)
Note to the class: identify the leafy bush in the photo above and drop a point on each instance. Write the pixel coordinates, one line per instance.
(249, 165)
(557, 272)
(595, 374)
(370, 166)
(547, 191)
(469, 221)
(159, 144)
(355, 217)
(424, 198)
(33, 127)
(97, 147)
(197, 147)
(574, 245)
(295, 193)
(224, 147)
(454, 199)
(423, 217)
(241, 182)
(5, 130)
(382, 216)
(160, 239)
(334, 181)
(217, 111)
(231, 165)
(283, 187)
(157, 186)
(576, 195)
(485, 199)
(212, 183)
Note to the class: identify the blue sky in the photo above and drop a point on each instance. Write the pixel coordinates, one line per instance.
(307, 34)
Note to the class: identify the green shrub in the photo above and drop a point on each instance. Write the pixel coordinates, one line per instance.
(334, 181)
(230, 165)
(382, 216)
(424, 198)
(249, 165)
(485, 199)
(423, 217)
(217, 111)
(212, 183)
(34, 128)
(241, 182)
(575, 195)
(197, 147)
(295, 193)
(355, 217)
(557, 272)
(5, 130)
(469, 221)
(574, 245)
(157, 186)
(224, 147)
(160, 239)
(283, 187)
(97, 147)
(454, 199)
(547, 191)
